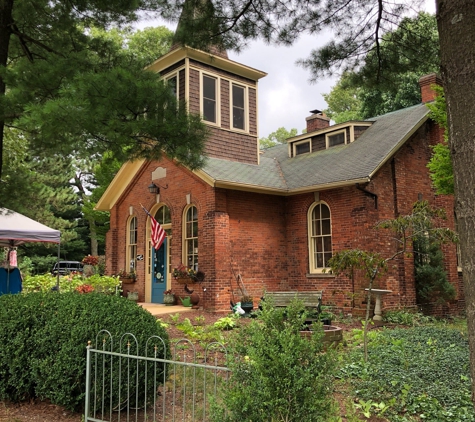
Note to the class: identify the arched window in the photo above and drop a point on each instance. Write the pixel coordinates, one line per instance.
(320, 236)
(131, 254)
(190, 238)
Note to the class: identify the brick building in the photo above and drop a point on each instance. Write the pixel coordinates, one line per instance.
(274, 217)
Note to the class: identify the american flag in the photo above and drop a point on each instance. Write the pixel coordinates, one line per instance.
(157, 233)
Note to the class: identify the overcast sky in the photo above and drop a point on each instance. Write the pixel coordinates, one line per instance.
(285, 95)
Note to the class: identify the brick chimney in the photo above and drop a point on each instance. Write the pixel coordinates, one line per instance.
(318, 120)
(426, 82)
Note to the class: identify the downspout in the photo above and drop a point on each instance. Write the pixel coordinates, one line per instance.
(368, 193)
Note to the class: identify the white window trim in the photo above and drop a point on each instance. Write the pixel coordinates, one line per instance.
(246, 107)
(311, 255)
(305, 141)
(218, 98)
(184, 254)
(329, 134)
(128, 257)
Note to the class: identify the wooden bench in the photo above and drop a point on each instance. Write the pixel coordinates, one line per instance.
(310, 299)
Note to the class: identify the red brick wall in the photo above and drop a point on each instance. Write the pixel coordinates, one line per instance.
(265, 237)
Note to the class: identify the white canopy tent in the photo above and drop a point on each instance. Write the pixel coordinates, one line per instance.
(16, 229)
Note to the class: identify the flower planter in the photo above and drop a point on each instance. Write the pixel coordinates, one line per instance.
(247, 307)
(127, 280)
(133, 296)
(333, 335)
(169, 300)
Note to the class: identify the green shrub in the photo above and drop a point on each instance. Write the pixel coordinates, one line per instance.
(69, 283)
(276, 374)
(406, 317)
(44, 339)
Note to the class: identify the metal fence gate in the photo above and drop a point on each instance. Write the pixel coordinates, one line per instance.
(127, 383)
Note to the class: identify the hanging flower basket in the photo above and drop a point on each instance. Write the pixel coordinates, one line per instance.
(127, 280)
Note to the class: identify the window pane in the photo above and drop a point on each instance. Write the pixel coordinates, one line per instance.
(327, 257)
(172, 85)
(166, 216)
(326, 227)
(238, 96)
(302, 148)
(315, 227)
(316, 212)
(209, 87)
(209, 110)
(238, 118)
(327, 244)
(319, 244)
(189, 231)
(319, 260)
(337, 139)
(325, 211)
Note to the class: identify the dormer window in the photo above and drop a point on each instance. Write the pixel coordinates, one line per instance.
(209, 99)
(239, 112)
(336, 138)
(302, 147)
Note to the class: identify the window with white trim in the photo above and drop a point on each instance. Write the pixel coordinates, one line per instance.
(209, 104)
(320, 236)
(238, 107)
(131, 255)
(302, 147)
(190, 238)
(336, 138)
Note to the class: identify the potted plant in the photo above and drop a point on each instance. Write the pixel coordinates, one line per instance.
(90, 263)
(247, 304)
(133, 296)
(127, 277)
(169, 297)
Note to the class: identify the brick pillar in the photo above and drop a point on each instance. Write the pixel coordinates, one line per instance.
(216, 262)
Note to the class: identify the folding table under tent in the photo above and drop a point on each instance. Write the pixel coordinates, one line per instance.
(16, 229)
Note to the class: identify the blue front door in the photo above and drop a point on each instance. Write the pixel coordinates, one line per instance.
(159, 272)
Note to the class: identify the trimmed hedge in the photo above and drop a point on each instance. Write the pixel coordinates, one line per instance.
(43, 338)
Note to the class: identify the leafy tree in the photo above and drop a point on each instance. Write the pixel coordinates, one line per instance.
(60, 85)
(344, 101)
(123, 48)
(432, 285)
(420, 223)
(277, 137)
(440, 165)
(407, 53)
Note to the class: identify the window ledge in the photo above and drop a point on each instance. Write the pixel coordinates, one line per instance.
(320, 275)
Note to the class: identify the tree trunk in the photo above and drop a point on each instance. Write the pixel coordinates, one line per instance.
(6, 20)
(455, 20)
(93, 236)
